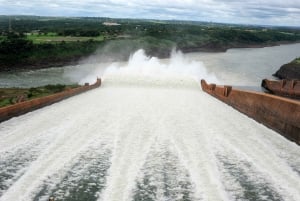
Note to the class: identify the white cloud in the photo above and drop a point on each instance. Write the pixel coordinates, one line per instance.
(275, 12)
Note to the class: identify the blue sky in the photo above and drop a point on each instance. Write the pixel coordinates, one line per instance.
(267, 12)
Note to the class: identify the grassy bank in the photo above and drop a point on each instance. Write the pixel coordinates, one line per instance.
(9, 96)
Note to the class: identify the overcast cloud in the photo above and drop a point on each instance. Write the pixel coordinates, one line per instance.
(264, 12)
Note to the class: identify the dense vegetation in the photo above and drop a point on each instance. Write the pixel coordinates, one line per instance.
(16, 50)
(10, 96)
(30, 41)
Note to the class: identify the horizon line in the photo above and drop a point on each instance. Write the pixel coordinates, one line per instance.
(165, 20)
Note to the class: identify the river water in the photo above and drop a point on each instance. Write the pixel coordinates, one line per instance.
(148, 133)
(238, 67)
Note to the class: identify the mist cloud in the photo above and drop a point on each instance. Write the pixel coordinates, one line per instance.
(141, 66)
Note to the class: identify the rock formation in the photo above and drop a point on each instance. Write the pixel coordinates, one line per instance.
(290, 70)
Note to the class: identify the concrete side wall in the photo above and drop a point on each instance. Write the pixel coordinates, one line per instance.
(28, 106)
(277, 113)
(290, 88)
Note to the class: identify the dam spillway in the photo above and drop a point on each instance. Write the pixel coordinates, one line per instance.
(138, 138)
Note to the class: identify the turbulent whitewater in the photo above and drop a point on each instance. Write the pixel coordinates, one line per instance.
(144, 137)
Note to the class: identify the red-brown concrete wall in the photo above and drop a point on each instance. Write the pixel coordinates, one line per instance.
(28, 106)
(279, 114)
(288, 88)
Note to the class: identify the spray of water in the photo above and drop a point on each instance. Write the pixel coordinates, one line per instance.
(140, 65)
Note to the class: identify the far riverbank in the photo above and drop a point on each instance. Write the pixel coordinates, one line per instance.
(101, 56)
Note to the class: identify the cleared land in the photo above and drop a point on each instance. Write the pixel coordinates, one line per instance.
(54, 38)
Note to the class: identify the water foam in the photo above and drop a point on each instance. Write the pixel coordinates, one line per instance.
(149, 67)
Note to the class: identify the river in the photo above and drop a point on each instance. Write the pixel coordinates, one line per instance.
(239, 67)
(148, 133)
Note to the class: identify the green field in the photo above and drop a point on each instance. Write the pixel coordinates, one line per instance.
(54, 38)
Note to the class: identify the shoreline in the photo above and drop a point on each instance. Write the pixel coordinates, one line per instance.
(77, 60)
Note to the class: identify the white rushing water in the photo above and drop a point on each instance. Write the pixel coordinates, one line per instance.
(145, 134)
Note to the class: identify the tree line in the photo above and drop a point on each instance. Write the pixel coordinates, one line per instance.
(156, 37)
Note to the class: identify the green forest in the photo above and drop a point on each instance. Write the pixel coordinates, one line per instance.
(28, 42)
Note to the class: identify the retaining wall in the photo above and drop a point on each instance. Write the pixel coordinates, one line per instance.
(278, 113)
(30, 105)
(288, 88)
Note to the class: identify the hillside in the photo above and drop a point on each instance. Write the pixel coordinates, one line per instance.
(290, 70)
